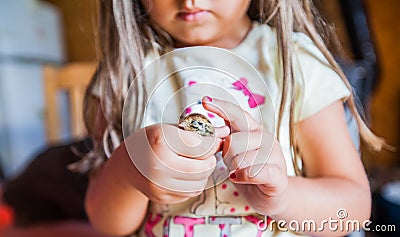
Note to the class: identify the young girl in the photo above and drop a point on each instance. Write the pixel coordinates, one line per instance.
(313, 170)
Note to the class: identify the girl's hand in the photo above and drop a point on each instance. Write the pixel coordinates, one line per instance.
(173, 165)
(254, 157)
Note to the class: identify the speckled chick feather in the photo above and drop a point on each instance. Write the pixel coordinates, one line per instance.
(197, 123)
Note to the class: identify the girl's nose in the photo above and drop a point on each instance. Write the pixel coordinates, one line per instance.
(190, 4)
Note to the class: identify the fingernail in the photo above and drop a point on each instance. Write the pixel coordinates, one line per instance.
(232, 175)
(208, 98)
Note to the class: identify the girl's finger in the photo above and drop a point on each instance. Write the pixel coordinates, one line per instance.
(190, 144)
(241, 161)
(239, 119)
(182, 168)
(256, 160)
(240, 142)
(269, 175)
(222, 132)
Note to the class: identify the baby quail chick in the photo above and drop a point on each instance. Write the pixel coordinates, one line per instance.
(197, 123)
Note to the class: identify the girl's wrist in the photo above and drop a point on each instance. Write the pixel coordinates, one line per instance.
(127, 171)
(273, 205)
(283, 201)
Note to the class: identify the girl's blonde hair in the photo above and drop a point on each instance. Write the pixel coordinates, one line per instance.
(126, 36)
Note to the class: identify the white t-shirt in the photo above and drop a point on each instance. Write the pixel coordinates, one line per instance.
(222, 210)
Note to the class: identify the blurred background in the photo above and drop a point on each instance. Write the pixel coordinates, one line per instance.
(48, 54)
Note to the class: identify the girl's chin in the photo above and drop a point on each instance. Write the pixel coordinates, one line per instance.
(182, 44)
(200, 41)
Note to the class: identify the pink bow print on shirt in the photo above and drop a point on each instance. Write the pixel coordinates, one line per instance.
(254, 99)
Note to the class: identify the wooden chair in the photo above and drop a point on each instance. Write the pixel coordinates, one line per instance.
(72, 78)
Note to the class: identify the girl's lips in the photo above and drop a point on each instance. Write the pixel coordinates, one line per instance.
(193, 16)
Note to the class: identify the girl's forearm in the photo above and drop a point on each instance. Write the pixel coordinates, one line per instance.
(112, 203)
(322, 201)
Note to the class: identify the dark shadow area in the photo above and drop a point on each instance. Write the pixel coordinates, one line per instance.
(47, 191)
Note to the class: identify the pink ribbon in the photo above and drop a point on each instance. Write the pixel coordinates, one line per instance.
(254, 99)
